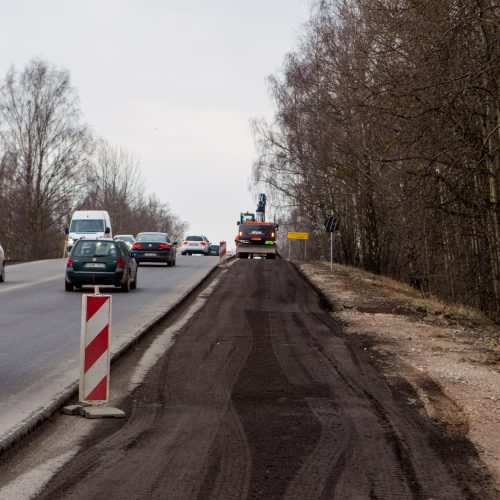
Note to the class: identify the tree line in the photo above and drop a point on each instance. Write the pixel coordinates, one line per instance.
(51, 165)
(387, 117)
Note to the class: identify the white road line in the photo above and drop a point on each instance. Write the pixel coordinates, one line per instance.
(6, 287)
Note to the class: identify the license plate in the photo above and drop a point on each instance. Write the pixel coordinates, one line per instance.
(95, 265)
(149, 255)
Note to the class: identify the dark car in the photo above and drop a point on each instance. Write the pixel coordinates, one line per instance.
(213, 250)
(101, 262)
(154, 247)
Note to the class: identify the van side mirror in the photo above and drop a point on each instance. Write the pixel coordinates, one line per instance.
(66, 230)
(108, 230)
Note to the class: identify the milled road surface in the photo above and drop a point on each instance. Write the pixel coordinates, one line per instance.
(262, 396)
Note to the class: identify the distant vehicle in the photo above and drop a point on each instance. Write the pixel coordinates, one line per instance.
(154, 247)
(2, 264)
(195, 245)
(231, 252)
(88, 224)
(100, 262)
(127, 238)
(213, 249)
(256, 238)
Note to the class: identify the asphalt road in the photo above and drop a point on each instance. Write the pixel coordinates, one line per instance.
(263, 396)
(40, 328)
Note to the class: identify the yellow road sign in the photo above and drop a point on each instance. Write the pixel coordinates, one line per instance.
(293, 235)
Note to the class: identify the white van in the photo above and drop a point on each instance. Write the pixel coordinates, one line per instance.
(88, 224)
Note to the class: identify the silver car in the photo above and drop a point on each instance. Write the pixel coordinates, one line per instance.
(127, 238)
(195, 245)
(2, 264)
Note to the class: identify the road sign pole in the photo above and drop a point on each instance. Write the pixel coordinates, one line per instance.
(331, 251)
(289, 249)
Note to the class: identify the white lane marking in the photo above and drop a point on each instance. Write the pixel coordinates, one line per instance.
(165, 340)
(6, 287)
(31, 483)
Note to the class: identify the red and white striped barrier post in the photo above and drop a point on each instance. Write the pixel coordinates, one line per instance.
(94, 349)
(222, 254)
(94, 359)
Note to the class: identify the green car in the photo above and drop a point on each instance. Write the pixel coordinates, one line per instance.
(101, 262)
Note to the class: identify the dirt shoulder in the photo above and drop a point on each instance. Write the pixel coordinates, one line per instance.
(445, 359)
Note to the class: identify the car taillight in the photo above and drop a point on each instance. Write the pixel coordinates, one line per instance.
(69, 262)
(136, 245)
(203, 243)
(185, 242)
(164, 245)
(120, 263)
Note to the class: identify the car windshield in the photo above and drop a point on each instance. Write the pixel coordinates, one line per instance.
(87, 226)
(214, 247)
(194, 238)
(151, 237)
(94, 249)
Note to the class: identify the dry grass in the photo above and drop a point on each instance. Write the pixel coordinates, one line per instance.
(410, 297)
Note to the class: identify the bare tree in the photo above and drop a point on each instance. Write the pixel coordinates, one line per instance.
(388, 116)
(46, 147)
(115, 183)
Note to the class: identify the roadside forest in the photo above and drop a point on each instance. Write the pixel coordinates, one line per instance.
(51, 164)
(387, 117)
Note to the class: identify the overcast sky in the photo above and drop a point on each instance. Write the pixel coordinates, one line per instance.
(176, 82)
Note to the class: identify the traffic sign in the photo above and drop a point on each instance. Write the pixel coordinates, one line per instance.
(332, 224)
(294, 235)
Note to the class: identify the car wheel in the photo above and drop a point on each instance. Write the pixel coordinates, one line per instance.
(133, 285)
(2, 274)
(68, 286)
(126, 286)
(170, 263)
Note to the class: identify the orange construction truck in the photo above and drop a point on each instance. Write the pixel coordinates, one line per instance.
(256, 237)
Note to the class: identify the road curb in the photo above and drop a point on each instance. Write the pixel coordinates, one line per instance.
(71, 391)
